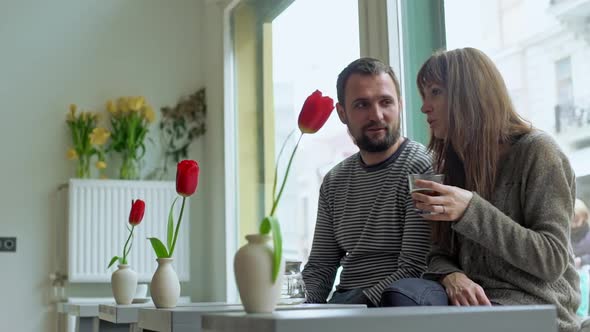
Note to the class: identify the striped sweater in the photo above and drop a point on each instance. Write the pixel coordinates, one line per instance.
(367, 224)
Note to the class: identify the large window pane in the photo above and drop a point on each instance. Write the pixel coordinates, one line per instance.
(312, 42)
(542, 49)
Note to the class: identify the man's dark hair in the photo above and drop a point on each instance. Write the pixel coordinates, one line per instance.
(364, 66)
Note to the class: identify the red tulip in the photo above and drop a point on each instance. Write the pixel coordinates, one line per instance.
(315, 112)
(187, 177)
(137, 210)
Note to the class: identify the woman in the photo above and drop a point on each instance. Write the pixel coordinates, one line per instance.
(500, 226)
(581, 234)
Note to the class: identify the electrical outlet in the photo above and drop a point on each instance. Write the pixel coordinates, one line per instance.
(8, 244)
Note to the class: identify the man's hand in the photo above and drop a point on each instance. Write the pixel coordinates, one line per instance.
(462, 291)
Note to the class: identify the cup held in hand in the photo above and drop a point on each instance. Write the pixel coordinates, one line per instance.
(439, 178)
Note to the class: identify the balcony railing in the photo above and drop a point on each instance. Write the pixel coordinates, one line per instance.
(569, 116)
(574, 15)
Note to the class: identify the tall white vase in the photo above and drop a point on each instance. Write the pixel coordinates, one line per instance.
(253, 271)
(165, 287)
(124, 284)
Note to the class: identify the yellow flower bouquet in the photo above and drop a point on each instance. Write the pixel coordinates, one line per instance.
(87, 139)
(130, 119)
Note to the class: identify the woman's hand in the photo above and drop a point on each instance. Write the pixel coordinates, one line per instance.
(449, 204)
(462, 291)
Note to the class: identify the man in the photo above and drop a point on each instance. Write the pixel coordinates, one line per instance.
(366, 221)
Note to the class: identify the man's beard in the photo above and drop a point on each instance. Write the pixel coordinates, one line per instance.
(365, 143)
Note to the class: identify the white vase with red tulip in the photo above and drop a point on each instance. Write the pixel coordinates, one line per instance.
(165, 287)
(258, 267)
(124, 284)
(124, 279)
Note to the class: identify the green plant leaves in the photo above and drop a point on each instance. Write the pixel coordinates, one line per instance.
(159, 247)
(170, 236)
(265, 226)
(278, 246)
(113, 260)
(268, 224)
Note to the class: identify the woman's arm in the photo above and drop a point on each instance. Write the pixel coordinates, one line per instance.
(546, 201)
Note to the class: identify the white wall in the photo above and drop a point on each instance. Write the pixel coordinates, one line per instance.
(58, 52)
(208, 255)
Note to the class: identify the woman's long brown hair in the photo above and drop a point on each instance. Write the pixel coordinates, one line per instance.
(481, 118)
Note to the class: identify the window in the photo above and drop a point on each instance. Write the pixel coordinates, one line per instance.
(310, 46)
(542, 49)
(279, 52)
(565, 112)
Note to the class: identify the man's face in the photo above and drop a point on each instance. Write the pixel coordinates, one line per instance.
(371, 111)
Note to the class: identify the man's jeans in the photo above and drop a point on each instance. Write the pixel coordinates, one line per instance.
(414, 292)
(350, 296)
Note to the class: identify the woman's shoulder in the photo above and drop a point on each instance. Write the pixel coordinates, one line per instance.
(538, 143)
(417, 157)
(539, 151)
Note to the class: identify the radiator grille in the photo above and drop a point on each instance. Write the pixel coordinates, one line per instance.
(97, 227)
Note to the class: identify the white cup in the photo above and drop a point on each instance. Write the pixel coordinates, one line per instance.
(141, 291)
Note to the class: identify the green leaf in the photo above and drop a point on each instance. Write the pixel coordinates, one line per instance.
(113, 260)
(171, 225)
(159, 247)
(278, 247)
(265, 226)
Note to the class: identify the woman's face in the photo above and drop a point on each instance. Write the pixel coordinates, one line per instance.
(435, 106)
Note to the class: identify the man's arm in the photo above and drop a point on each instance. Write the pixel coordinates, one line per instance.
(412, 258)
(324, 259)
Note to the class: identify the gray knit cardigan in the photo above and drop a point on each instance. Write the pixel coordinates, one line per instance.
(516, 246)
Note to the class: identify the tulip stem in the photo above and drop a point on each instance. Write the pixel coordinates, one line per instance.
(276, 201)
(125, 252)
(177, 227)
(274, 184)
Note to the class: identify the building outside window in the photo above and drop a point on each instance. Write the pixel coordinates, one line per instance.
(542, 49)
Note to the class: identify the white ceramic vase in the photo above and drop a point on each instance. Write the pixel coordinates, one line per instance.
(165, 287)
(253, 271)
(124, 284)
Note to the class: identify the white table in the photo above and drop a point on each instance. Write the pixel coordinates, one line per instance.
(87, 317)
(87, 314)
(127, 315)
(406, 319)
(188, 319)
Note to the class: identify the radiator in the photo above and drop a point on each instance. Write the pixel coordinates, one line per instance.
(97, 227)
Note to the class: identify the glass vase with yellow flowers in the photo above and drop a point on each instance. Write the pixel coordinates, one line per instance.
(88, 140)
(130, 120)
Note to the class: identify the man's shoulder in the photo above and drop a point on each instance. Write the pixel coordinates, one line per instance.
(416, 156)
(344, 166)
(416, 149)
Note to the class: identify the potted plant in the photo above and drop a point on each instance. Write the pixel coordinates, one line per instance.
(87, 141)
(165, 287)
(258, 267)
(124, 279)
